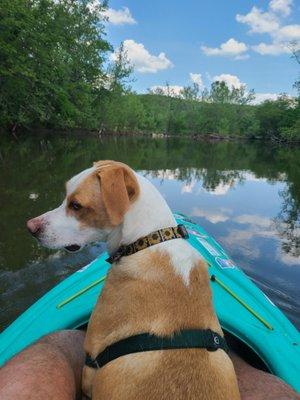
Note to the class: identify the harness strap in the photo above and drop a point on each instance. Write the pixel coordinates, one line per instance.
(184, 339)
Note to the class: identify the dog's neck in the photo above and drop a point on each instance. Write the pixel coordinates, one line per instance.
(147, 214)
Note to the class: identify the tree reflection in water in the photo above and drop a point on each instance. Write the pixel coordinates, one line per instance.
(33, 173)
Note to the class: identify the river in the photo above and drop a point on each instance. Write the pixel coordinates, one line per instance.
(247, 195)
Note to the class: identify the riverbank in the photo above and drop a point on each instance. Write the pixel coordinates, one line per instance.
(80, 133)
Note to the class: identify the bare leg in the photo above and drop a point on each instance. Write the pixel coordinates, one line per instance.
(49, 369)
(258, 385)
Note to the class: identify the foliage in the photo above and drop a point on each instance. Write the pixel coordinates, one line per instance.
(52, 55)
(54, 73)
(221, 93)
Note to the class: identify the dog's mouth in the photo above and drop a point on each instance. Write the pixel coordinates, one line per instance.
(73, 247)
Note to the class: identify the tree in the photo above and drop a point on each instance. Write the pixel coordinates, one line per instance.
(119, 70)
(295, 49)
(220, 92)
(191, 92)
(112, 105)
(277, 118)
(52, 56)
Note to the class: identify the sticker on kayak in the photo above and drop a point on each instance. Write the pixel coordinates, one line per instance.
(225, 263)
(195, 233)
(214, 252)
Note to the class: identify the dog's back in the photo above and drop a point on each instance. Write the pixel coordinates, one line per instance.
(168, 375)
(153, 291)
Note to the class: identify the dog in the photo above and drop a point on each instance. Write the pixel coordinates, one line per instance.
(161, 289)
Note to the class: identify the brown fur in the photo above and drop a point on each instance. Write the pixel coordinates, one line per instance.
(119, 187)
(105, 195)
(144, 294)
(88, 195)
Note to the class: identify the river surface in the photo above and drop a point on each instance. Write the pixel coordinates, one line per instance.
(246, 195)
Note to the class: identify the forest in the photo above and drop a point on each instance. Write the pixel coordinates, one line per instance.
(57, 73)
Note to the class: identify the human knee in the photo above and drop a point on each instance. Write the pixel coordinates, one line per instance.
(60, 338)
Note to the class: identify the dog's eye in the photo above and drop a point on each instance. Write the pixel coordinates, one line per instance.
(75, 206)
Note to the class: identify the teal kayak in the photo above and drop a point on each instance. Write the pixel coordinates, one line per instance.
(253, 325)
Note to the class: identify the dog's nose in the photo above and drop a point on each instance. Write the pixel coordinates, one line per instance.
(34, 226)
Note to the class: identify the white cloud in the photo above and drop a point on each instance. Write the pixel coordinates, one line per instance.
(220, 189)
(261, 97)
(171, 90)
(176, 90)
(231, 48)
(170, 174)
(230, 80)
(142, 60)
(271, 23)
(281, 6)
(253, 219)
(286, 258)
(251, 177)
(211, 216)
(258, 226)
(188, 187)
(119, 17)
(197, 78)
(288, 33)
(273, 49)
(259, 22)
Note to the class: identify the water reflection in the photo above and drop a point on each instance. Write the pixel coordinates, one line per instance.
(288, 223)
(246, 195)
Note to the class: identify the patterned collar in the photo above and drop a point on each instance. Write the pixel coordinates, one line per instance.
(162, 235)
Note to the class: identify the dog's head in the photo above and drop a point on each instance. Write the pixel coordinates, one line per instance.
(96, 202)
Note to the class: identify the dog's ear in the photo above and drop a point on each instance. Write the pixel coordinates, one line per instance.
(119, 188)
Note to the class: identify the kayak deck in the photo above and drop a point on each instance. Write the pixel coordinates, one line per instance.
(245, 312)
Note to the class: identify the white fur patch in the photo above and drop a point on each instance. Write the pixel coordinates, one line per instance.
(183, 256)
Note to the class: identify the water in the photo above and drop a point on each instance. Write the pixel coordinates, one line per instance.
(246, 195)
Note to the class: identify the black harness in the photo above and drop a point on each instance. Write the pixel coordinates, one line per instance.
(184, 339)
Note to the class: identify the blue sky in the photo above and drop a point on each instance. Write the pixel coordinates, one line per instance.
(241, 42)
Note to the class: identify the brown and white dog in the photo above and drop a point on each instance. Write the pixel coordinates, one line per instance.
(160, 290)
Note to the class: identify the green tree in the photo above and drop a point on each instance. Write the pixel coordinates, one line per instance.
(52, 55)
(220, 92)
(278, 119)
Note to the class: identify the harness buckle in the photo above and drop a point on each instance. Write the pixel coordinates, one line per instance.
(214, 343)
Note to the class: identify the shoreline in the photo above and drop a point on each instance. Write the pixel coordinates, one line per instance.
(83, 132)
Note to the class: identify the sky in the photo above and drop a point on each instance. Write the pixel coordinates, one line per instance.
(240, 42)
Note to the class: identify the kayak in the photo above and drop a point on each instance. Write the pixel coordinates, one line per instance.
(254, 327)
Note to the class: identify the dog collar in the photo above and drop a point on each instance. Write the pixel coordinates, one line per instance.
(156, 237)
